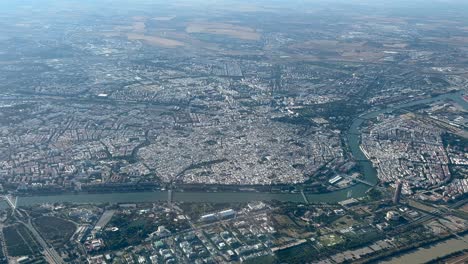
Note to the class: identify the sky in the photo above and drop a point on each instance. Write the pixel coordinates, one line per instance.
(410, 6)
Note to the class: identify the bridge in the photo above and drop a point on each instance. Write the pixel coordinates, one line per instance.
(12, 203)
(304, 197)
(365, 182)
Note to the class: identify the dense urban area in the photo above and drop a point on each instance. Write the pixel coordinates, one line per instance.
(242, 131)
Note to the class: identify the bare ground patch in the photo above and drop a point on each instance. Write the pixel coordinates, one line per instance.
(153, 40)
(230, 30)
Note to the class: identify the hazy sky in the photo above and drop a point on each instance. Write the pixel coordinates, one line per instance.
(408, 6)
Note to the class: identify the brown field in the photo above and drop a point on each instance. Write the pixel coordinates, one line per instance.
(153, 40)
(383, 19)
(335, 50)
(164, 18)
(138, 31)
(362, 56)
(458, 41)
(139, 26)
(421, 206)
(330, 45)
(396, 45)
(234, 31)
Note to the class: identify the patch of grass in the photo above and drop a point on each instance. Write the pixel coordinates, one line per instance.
(299, 254)
(56, 230)
(19, 241)
(268, 259)
(344, 222)
(133, 228)
(331, 240)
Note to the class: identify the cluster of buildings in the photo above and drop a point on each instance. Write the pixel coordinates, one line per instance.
(222, 239)
(456, 189)
(255, 151)
(407, 150)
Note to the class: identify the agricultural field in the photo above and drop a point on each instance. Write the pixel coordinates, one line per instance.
(154, 40)
(229, 30)
(55, 230)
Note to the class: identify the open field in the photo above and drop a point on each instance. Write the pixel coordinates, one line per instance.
(139, 26)
(138, 31)
(298, 254)
(337, 50)
(421, 206)
(19, 241)
(244, 33)
(344, 222)
(285, 225)
(53, 229)
(163, 18)
(153, 40)
(330, 240)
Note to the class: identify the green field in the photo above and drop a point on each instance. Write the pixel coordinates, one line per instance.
(55, 230)
(132, 230)
(299, 254)
(331, 240)
(19, 241)
(344, 222)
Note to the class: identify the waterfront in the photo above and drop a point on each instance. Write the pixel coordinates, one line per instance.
(356, 191)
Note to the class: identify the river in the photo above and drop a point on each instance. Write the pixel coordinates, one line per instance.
(358, 190)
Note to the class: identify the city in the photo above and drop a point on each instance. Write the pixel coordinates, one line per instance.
(233, 131)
